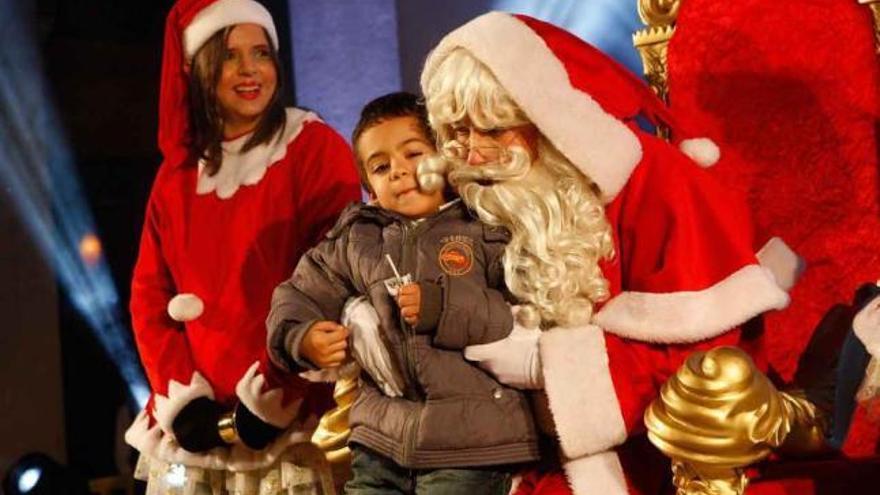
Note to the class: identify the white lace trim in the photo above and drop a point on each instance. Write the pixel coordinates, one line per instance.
(151, 441)
(166, 408)
(247, 169)
(302, 468)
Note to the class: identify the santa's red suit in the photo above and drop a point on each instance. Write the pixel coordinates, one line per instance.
(684, 276)
(212, 251)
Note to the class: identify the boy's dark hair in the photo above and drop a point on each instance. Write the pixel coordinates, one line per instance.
(206, 131)
(390, 106)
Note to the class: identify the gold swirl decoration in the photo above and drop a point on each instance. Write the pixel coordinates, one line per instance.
(658, 12)
(719, 414)
(874, 5)
(333, 430)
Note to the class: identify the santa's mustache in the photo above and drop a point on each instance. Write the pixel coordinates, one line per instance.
(436, 171)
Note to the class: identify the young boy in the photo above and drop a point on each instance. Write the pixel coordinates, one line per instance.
(454, 429)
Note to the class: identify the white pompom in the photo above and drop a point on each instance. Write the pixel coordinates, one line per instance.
(704, 151)
(185, 307)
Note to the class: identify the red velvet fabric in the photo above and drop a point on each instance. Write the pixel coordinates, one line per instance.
(788, 89)
(676, 230)
(173, 89)
(231, 253)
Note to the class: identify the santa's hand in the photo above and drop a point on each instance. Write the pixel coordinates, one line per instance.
(367, 346)
(866, 325)
(513, 360)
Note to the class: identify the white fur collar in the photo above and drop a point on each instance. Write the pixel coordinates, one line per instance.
(247, 169)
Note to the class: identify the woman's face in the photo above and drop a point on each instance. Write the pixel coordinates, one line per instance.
(247, 81)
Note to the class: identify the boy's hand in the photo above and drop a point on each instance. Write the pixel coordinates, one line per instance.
(325, 344)
(409, 299)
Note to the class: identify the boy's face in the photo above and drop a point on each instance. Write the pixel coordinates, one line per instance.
(390, 152)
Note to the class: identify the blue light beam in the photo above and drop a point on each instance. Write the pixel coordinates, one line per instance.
(606, 24)
(37, 172)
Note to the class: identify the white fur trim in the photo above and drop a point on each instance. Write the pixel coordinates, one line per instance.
(153, 442)
(866, 326)
(704, 151)
(601, 146)
(691, 316)
(185, 307)
(224, 13)
(165, 409)
(247, 169)
(266, 405)
(597, 473)
(578, 384)
(785, 265)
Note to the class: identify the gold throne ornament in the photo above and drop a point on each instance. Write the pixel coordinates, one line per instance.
(719, 414)
(652, 42)
(333, 430)
(874, 5)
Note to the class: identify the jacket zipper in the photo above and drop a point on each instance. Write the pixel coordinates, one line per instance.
(411, 429)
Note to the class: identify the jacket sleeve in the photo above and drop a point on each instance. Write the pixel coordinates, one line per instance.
(317, 291)
(687, 279)
(162, 344)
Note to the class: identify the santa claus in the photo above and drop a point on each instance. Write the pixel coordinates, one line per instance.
(625, 253)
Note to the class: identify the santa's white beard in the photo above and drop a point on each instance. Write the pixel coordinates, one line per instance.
(558, 233)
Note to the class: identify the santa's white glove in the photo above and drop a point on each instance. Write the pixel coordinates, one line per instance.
(866, 325)
(367, 346)
(513, 360)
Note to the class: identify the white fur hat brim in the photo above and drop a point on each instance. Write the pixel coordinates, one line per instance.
(224, 13)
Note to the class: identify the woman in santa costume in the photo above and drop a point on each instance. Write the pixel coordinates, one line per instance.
(246, 186)
(624, 250)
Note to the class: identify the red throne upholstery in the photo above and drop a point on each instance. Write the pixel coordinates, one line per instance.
(789, 91)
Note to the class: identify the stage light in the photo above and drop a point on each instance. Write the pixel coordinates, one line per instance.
(38, 174)
(90, 249)
(29, 479)
(39, 474)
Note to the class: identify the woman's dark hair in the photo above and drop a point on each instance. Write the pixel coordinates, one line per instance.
(390, 106)
(206, 121)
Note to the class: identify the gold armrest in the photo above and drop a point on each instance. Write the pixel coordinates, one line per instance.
(719, 414)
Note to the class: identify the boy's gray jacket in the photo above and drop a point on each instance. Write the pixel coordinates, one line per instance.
(452, 413)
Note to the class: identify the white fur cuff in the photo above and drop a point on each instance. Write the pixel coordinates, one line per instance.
(154, 443)
(265, 405)
(597, 473)
(691, 316)
(578, 384)
(165, 409)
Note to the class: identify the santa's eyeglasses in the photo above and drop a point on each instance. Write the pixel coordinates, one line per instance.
(485, 145)
(488, 152)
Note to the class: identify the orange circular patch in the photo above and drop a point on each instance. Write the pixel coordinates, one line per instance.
(456, 258)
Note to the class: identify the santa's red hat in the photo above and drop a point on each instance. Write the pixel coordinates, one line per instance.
(189, 24)
(584, 102)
